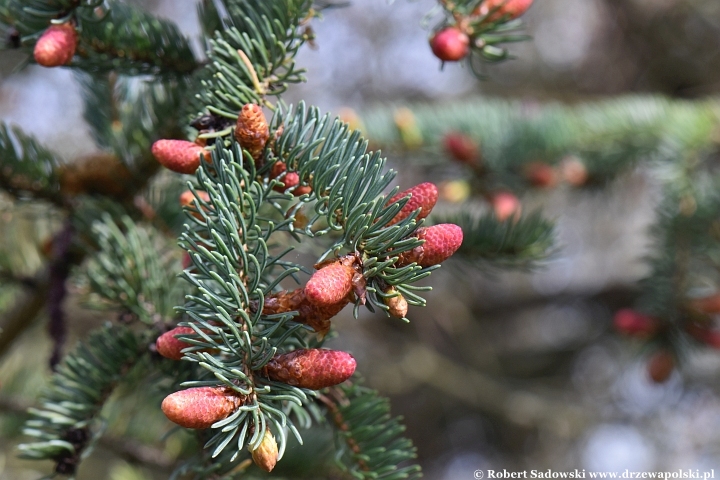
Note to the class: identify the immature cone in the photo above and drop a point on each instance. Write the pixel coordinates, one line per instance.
(201, 407)
(705, 335)
(660, 366)
(631, 322)
(330, 285)
(441, 241)
(461, 148)
(56, 46)
(187, 199)
(170, 347)
(506, 205)
(311, 368)
(179, 156)
(266, 455)
(397, 305)
(314, 316)
(450, 44)
(423, 196)
(512, 8)
(541, 174)
(708, 305)
(252, 131)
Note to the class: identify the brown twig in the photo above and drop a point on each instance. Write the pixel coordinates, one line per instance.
(342, 425)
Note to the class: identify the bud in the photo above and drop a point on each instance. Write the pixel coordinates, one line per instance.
(423, 196)
(350, 116)
(506, 205)
(454, 191)
(708, 305)
(441, 241)
(450, 44)
(660, 366)
(252, 131)
(201, 407)
(170, 347)
(186, 260)
(311, 368)
(330, 285)
(56, 47)
(540, 174)
(408, 128)
(510, 8)
(179, 156)
(631, 322)
(461, 148)
(573, 171)
(265, 455)
(277, 169)
(397, 305)
(187, 200)
(291, 179)
(302, 190)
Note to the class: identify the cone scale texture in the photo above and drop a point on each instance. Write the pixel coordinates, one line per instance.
(441, 241)
(423, 197)
(180, 156)
(201, 407)
(311, 368)
(56, 47)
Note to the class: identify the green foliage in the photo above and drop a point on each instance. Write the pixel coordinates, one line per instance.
(234, 269)
(349, 205)
(27, 169)
(130, 41)
(132, 270)
(66, 422)
(372, 445)
(231, 264)
(252, 56)
(518, 244)
(32, 17)
(126, 115)
(609, 136)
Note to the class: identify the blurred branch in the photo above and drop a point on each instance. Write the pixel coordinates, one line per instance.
(141, 454)
(27, 305)
(523, 408)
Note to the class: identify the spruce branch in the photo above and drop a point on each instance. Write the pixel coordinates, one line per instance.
(128, 40)
(608, 137)
(234, 272)
(27, 169)
(251, 57)
(373, 445)
(131, 270)
(112, 35)
(127, 114)
(521, 243)
(65, 425)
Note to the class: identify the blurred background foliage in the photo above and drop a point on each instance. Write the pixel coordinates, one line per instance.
(502, 370)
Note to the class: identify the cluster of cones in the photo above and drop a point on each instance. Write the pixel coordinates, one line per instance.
(698, 324)
(334, 284)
